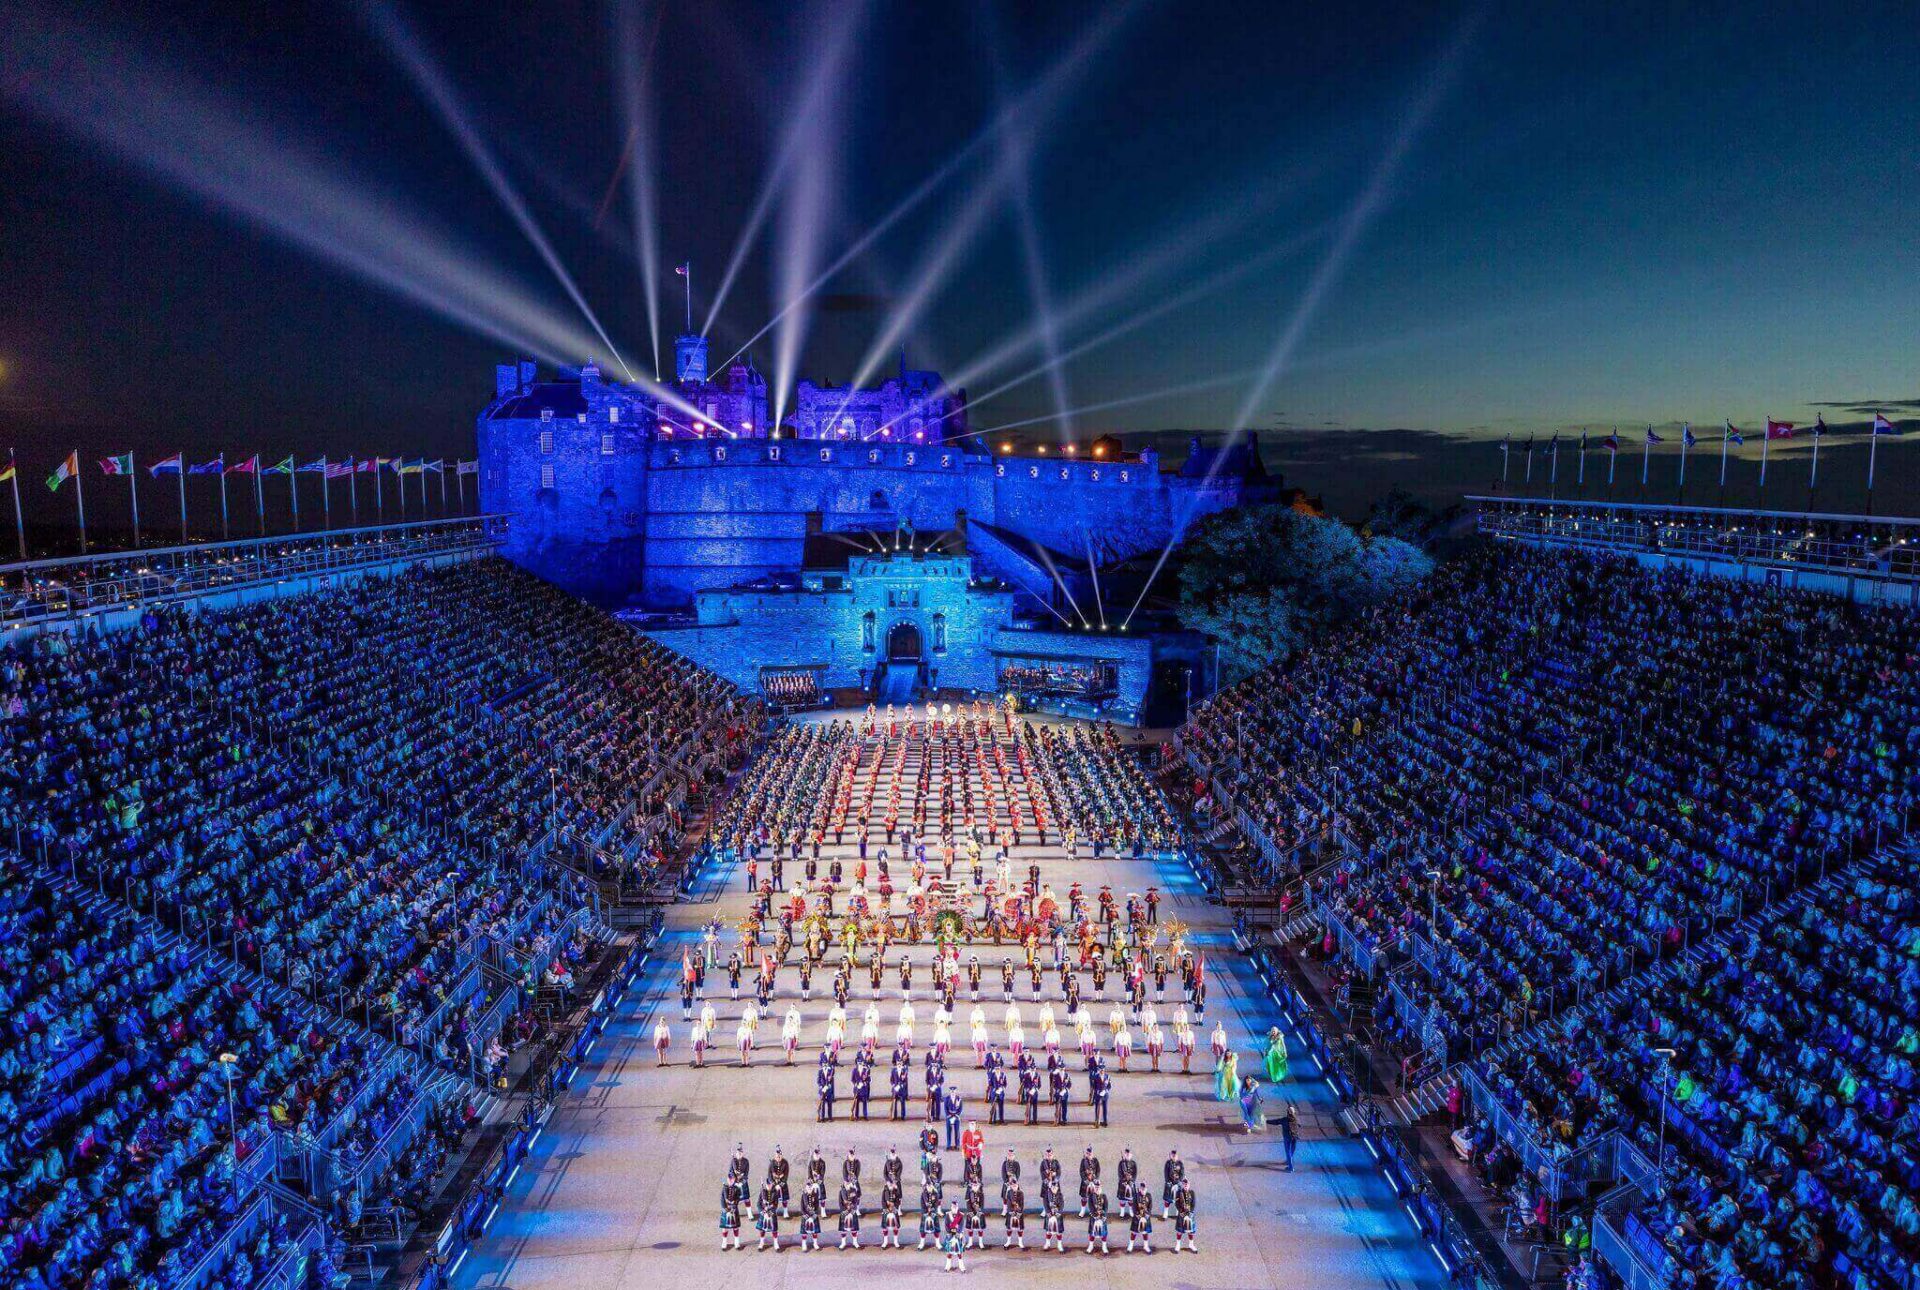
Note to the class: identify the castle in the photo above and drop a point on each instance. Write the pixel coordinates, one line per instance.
(695, 503)
(626, 498)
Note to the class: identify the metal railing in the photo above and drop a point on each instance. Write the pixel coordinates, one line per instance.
(1886, 549)
(39, 591)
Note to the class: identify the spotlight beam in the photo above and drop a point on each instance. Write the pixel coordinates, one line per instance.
(940, 259)
(1367, 206)
(1093, 567)
(820, 87)
(1216, 281)
(439, 92)
(205, 145)
(639, 164)
(1020, 163)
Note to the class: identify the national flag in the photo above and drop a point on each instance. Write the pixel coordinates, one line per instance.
(121, 465)
(1779, 429)
(339, 469)
(1529, 445)
(1652, 437)
(1733, 435)
(1883, 426)
(217, 466)
(683, 269)
(409, 467)
(251, 466)
(1819, 424)
(1686, 435)
(1612, 442)
(313, 467)
(168, 466)
(366, 464)
(282, 467)
(432, 467)
(467, 468)
(7, 471)
(64, 471)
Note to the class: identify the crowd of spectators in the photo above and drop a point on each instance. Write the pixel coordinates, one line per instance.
(1548, 773)
(244, 834)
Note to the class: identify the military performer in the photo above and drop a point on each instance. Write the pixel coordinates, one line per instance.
(1089, 1179)
(929, 1216)
(890, 1200)
(1183, 1220)
(732, 1200)
(996, 1095)
(975, 1210)
(1140, 1220)
(862, 1084)
(1096, 1212)
(777, 1175)
(1013, 1208)
(1100, 1084)
(850, 1210)
(766, 1215)
(825, 1083)
(1053, 1218)
(1030, 1088)
(1125, 1174)
(1172, 1174)
(900, 1089)
(813, 1200)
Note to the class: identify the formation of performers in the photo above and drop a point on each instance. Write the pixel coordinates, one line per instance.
(982, 774)
(958, 1224)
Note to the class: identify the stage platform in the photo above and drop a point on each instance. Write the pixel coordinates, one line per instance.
(622, 1189)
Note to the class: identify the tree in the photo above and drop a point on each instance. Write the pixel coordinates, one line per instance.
(1265, 580)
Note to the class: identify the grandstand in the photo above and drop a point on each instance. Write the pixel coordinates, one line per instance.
(1581, 880)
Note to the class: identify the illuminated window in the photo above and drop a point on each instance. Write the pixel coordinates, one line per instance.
(613, 415)
(606, 443)
(546, 476)
(546, 442)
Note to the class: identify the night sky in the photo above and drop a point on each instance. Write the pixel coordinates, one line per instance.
(1386, 236)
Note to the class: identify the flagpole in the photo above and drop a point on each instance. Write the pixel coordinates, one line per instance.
(181, 479)
(1686, 434)
(224, 535)
(460, 482)
(1872, 450)
(1506, 450)
(379, 490)
(1646, 457)
(1613, 459)
(353, 492)
(20, 517)
(80, 500)
(1724, 436)
(1580, 480)
(326, 496)
(1553, 470)
(443, 488)
(293, 490)
(259, 496)
(1813, 475)
(133, 491)
(1766, 439)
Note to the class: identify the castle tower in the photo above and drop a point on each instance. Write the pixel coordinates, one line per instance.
(690, 358)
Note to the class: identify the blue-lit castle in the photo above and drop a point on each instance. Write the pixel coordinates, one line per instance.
(698, 505)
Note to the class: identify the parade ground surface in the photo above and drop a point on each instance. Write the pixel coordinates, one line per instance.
(622, 1188)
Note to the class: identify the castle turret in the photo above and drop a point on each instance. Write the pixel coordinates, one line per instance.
(690, 358)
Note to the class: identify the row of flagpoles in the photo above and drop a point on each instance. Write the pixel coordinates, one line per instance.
(1731, 435)
(351, 469)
